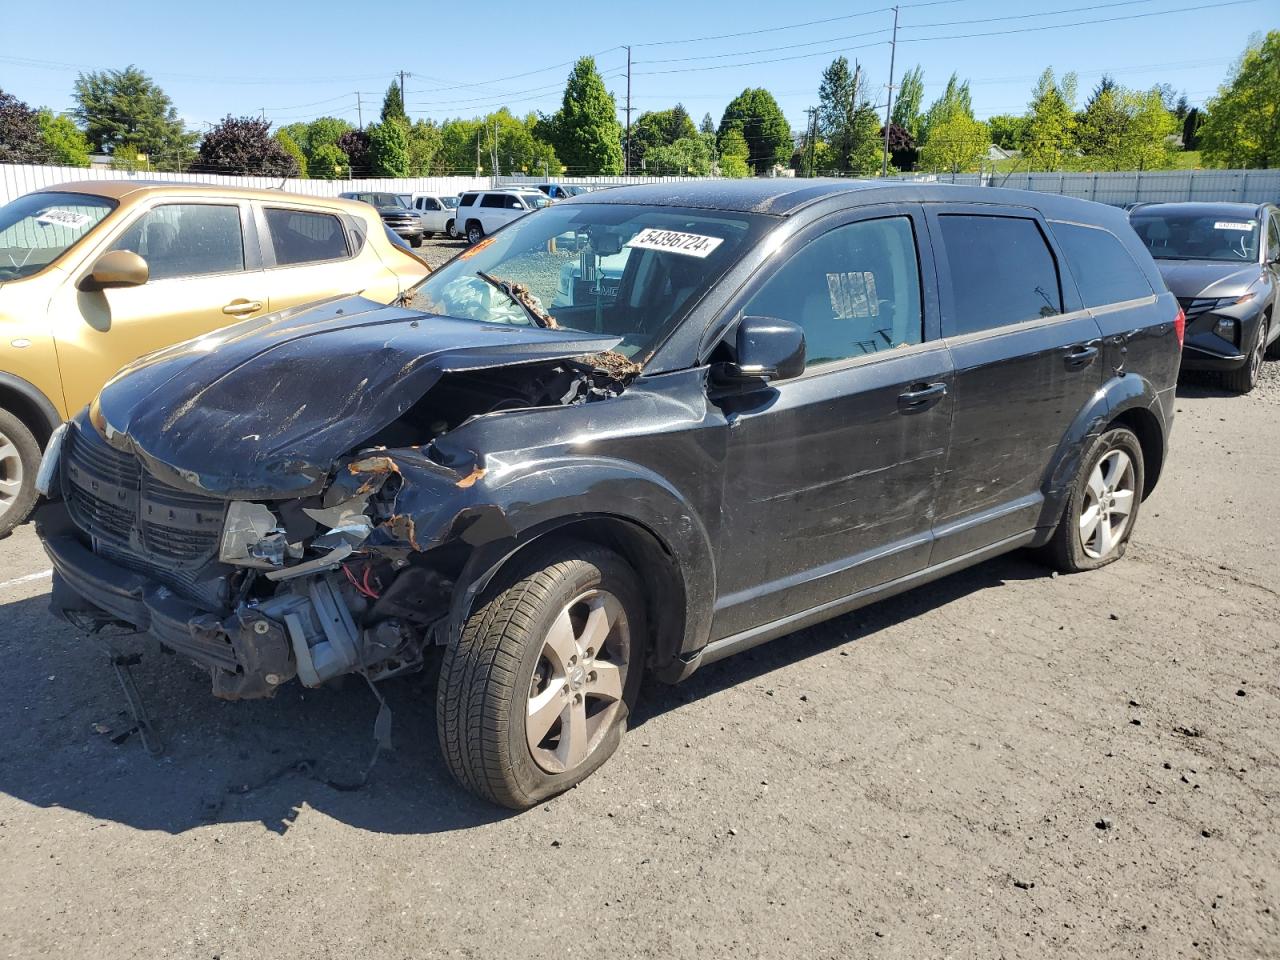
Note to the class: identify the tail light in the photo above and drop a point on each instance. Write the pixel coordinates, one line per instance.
(1180, 326)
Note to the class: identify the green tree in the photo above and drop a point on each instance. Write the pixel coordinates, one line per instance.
(1007, 130)
(126, 156)
(1149, 130)
(734, 154)
(1191, 129)
(957, 144)
(327, 162)
(389, 149)
(1102, 129)
(65, 143)
(954, 101)
(458, 142)
(290, 146)
(1243, 124)
(838, 101)
(393, 105)
(126, 106)
(588, 137)
(755, 114)
(708, 125)
(910, 99)
(424, 144)
(688, 156)
(866, 142)
(1050, 134)
(659, 128)
(21, 140)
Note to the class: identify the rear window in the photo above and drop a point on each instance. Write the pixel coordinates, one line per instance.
(300, 237)
(468, 199)
(1103, 269)
(1002, 272)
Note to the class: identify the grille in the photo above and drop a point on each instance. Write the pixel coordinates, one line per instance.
(1196, 306)
(133, 517)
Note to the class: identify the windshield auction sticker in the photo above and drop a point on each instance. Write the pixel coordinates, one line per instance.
(1232, 225)
(672, 241)
(63, 218)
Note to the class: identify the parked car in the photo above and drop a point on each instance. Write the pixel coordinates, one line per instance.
(395, 211)
(803, 396)
(1222, 262)
(437, 211)
(93, 275)
(480, 212)
(562, 191)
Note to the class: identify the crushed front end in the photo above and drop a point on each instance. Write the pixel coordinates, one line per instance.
(257, 592)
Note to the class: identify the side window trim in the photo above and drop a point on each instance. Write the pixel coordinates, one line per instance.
(1072, 306)
(727, 318)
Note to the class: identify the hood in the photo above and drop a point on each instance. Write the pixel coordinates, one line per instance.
(262, 409)
(1206, 278)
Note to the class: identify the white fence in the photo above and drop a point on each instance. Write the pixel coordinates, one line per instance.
(1247, 186)
(1252, 186)
(17, 179)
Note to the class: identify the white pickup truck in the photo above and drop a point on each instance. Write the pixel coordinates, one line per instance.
(436, 211)
(480, 212)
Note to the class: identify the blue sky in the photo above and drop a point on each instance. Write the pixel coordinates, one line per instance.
(300, 62)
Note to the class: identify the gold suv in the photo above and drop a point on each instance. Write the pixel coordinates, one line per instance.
(96, 274)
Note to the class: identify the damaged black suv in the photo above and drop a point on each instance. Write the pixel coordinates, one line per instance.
(633, 432)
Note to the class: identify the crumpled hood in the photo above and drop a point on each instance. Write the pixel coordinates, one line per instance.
(262, 409)
(1204, 278)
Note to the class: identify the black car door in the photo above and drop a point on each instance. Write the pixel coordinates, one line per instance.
(831, 478)
(1026, 357)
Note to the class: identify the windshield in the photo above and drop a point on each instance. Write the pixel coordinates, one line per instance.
(1227, 237)
(535, 201)
(450, 203)
(630, 271)
(405, 200)
(37, 229)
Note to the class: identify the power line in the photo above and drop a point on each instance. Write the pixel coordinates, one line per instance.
(790, 46)
(802, 56)
(1029, 16)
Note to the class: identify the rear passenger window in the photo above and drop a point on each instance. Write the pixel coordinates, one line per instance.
(468, 199)
(1103, 269)
(1002, 272)
(305, 237)
(854, 290)
(493, 200)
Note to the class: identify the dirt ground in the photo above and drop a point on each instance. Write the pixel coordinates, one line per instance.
(1002, 764)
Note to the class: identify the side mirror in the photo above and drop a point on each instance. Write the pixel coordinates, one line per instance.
(766, 349)
(119, 268)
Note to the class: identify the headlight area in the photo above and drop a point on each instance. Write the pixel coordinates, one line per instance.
(337, 583)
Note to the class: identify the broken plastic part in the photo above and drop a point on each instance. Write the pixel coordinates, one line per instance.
(329, 561)
(245, 527)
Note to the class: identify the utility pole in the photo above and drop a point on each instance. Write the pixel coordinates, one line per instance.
(626, 157)
(359, 110)
(478, 150)
(402, 76)
(813, 135)
(888, 105)
(263, 111)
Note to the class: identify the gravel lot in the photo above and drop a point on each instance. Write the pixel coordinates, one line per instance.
(1003, 764)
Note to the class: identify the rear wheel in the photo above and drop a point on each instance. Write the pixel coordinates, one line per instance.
(1245, 377)
(19, 461)
(534, 695)
(1102, 506)
(475, 232)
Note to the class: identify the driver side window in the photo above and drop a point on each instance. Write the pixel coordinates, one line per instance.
(854, 291)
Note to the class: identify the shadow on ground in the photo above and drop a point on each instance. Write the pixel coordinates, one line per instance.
(65, 737)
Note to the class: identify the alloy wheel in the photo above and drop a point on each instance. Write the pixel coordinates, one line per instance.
(11, 474)
(575, 695)
(1259, 351)
(1107, 504)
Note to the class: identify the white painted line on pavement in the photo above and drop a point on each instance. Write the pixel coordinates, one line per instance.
(27, 579)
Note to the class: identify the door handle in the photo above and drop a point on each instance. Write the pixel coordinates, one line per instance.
(242, 308)
(921, 396)
(1080, 355)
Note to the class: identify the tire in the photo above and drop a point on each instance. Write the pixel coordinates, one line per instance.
(509, 662)
(451, 230)
(1245, 377)
(475, 232)
(1273, 351)
(19, 461)
(1102, 478)
(415, 242)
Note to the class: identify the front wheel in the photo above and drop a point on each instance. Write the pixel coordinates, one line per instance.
(1102, 506)
(415, 242)
(19, 461)
(534, 695)
(451, 230)
(475, 232)
(1245, 377)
